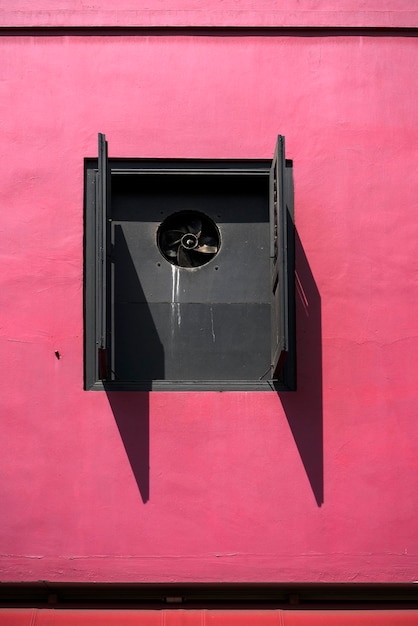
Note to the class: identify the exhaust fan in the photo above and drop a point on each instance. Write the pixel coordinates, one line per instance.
(188, 239)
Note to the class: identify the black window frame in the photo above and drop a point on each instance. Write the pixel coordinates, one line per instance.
(97, 213)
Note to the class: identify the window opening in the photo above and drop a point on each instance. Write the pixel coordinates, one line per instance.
(189, 273)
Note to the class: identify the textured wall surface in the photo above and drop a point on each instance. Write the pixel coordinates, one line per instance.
(293, 13)
(317, 485)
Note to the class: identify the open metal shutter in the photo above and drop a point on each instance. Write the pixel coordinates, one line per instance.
(279, 260)
(102, 211)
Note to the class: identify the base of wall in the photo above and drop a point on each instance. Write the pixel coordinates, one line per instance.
(44, 594)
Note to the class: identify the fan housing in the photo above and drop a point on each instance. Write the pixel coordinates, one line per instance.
(188, 239)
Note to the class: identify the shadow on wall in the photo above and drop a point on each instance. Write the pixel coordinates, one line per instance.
(131, 412)
(303, 408)
(131, 350)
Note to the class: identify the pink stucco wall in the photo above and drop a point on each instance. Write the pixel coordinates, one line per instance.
(317, 485)
(293, 13)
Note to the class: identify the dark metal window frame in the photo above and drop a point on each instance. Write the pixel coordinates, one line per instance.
(97, 213)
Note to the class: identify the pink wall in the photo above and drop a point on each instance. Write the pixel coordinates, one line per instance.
(317, 485)
(357, 13)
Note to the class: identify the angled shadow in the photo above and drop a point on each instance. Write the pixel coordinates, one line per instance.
(137, 353)
(137, 356)
(303, 408)
(131, 413)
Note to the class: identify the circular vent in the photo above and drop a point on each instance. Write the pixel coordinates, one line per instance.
(188, 239)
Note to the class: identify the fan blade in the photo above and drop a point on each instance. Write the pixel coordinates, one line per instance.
(195, 227)
(206, 249)
(183, 258)
(207, 240)
(207, 245)
(171, 238)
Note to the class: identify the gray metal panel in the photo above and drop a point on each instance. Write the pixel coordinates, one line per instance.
(238, 273)
(202, 324)
(191, 341)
